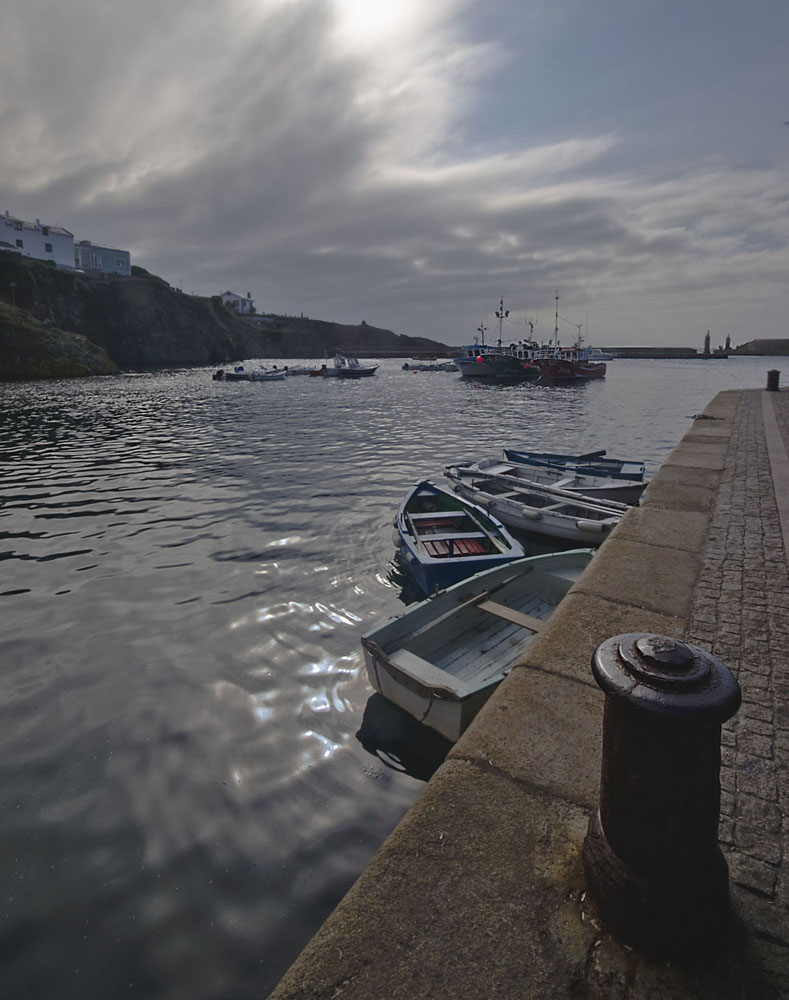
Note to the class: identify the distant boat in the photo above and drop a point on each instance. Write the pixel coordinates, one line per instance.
(442, 658)
(345, 368)
(240, 374)
(510, 368)
(442, 538)
(350, 368)
(420, 366)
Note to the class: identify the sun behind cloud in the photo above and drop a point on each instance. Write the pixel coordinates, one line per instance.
(370, 23)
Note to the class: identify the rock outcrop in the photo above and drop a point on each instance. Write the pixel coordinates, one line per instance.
(30, 349)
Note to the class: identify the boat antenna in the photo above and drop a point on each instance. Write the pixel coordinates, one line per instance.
(556, 327)
(579, 325)
(481, 329)
(501, 313)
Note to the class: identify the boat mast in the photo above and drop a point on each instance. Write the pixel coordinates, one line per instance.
(481, 329)
(556, 326)
(501, 313)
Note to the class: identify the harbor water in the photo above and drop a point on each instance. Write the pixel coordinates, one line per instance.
(193, 766)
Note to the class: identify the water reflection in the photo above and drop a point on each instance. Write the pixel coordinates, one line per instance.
(399, 741)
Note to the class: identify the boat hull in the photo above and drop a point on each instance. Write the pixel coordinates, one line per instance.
(560, 370)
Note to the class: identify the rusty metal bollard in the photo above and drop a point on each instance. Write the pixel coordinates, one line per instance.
(773, 377)
(651, 854)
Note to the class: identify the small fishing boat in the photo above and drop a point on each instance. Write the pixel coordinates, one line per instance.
(267, 376)
(420, 366)
(350, 368)
(240, 374)
(442, 658)
(594, 487)
(542, 510)
(442, 538)
(594, 463)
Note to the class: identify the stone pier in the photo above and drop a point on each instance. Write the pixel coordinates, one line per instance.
(479, 893)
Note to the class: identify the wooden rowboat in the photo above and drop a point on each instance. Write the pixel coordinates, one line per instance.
(443, 538)
(595, 487)
(595, 463)
(542, 510)
(442, 658)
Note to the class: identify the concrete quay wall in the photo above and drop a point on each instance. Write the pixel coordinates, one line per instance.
(479, 892)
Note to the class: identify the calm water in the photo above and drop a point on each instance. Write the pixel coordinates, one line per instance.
(193, 770)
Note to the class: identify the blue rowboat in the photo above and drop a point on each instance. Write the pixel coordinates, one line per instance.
(594, 463)
(443, 538)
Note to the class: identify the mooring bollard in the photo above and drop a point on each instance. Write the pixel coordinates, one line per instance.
(773, 376)
(651, 854)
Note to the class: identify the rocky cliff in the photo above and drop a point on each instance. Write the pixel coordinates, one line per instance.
(31, 349)
(142, 323)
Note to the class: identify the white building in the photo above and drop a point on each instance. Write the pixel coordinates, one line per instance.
(245, 306)
(98, 261)
(32, 239)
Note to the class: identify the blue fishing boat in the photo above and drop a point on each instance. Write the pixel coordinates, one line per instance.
(442, 538)
(594, 463)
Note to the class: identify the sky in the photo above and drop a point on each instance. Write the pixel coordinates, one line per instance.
(414, 163)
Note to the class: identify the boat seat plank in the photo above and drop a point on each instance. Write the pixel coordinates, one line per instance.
(440, 516)
(511, 615)
(428, 673)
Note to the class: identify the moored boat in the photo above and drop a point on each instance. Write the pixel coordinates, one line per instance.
(567, 364)
(594, 463)
(240, 374)
(419, 366)
(540, 510)
(442, 658)
(595, 487)
(275, 375)
(345, 367)
(510, 368)
(442, 538)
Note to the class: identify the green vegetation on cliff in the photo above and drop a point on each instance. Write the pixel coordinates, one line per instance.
(143, 323)
(30, 349)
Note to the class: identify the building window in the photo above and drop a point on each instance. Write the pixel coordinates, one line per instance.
(95, 261)
(18, 226)
(47, 248)
(20, 243)
(119, 262)
(45, 230)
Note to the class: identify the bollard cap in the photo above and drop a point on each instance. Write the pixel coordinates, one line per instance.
(666, 677)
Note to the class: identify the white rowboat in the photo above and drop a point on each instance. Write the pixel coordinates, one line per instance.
(442, 658)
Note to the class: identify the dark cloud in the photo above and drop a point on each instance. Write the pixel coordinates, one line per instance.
(240, 145)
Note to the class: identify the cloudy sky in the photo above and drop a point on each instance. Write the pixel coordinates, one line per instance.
(411, 162)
